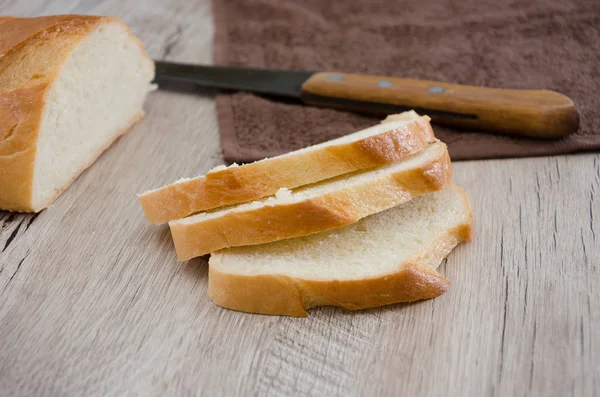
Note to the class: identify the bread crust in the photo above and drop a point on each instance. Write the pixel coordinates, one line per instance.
(275, 294)
(33, 53)
(19, 121)
(329, 211)
(260, 179)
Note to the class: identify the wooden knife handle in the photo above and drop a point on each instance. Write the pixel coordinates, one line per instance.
(533, 113)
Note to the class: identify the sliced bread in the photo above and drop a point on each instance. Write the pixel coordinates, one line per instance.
(315, 208)
(388, 142)
(70, 85)
(386, 258)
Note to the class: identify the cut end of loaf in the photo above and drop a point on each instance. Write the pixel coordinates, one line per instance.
(97, 96)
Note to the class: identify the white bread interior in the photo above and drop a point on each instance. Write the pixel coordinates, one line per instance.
(97, 95)
(384, 258)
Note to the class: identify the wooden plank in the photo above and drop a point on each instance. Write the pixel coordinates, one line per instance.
(93, 302)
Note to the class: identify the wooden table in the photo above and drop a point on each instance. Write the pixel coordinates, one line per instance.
(94, 303)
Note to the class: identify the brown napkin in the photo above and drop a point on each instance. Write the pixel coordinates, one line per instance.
(537, 44)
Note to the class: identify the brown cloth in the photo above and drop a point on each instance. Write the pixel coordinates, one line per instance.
(535, 44)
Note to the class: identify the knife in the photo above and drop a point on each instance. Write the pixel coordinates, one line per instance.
(533, 113)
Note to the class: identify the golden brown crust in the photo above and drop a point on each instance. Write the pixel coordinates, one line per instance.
(282, 295)
(18, 30)
(20, 111)
(260, 179)
(33, 51)
(5, 19)
(333, 210)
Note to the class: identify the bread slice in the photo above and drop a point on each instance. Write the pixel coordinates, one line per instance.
(397, 138)
(386, 258)
(315, 208)
(69, 86)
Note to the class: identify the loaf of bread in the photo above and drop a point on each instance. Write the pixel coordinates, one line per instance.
(397, 138)
(314, 208)
(69, 86)
(385, 258)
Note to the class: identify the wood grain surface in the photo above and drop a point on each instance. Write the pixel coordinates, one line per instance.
(94, 303)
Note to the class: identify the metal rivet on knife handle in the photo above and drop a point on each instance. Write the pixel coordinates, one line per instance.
(384, 84)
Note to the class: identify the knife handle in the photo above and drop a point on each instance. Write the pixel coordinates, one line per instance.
(532, 113)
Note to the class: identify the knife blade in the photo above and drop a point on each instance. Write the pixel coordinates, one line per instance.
(534, 113)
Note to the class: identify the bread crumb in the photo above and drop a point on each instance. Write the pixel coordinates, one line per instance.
(283, 193)
(222, 167)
